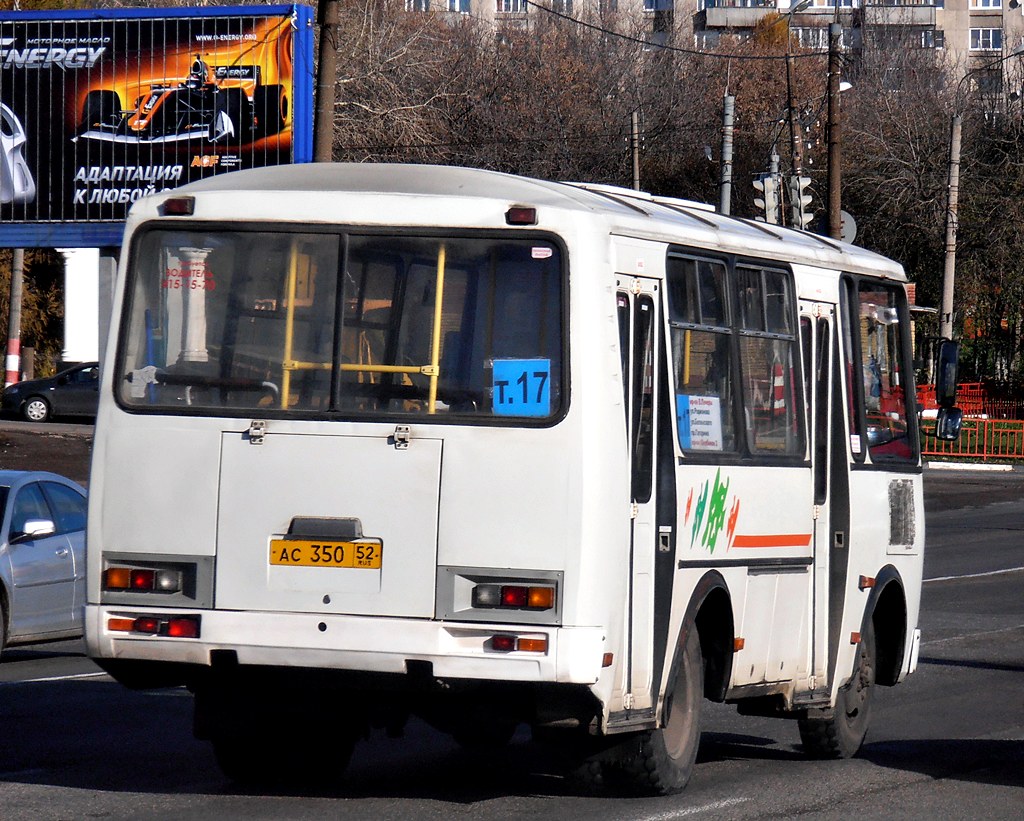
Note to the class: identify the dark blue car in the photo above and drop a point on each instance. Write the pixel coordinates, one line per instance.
(72, 392)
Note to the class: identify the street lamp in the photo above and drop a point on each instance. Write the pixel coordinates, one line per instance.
(952, 197)
(794, 128)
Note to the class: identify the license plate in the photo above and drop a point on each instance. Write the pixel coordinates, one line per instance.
(320, 553)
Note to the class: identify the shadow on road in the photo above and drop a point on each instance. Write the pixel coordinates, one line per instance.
(981, 761)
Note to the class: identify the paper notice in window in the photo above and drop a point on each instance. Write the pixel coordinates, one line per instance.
(700, 422)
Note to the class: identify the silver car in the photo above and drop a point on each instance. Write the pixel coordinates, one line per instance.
(42, 557)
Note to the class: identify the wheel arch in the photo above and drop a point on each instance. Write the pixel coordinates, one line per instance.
(710, 611)
(887, 610)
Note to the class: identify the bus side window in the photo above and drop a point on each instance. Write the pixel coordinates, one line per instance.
(768, 361)
(701, 353)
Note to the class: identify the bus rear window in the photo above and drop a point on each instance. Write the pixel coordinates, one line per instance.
(234, 321)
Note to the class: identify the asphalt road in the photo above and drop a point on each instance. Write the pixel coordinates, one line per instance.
(948, 743)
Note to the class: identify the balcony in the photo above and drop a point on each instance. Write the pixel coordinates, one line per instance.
(906, 13)
(736, 14)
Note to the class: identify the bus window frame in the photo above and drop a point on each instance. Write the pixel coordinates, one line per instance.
(849, 291)
(343, 232)
(742, 453)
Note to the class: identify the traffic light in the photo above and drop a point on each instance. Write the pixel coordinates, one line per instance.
(768, 203)
(799, 199)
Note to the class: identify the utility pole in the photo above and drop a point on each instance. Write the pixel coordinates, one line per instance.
(952, 195)
(634, 143)
(835, 222)
(725, 193)
(326, 81)
(13, 363)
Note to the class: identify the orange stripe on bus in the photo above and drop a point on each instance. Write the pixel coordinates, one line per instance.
(775, 540)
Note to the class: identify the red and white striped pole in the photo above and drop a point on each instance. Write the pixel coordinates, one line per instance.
(13, 362)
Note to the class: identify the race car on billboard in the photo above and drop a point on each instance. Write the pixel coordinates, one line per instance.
(218, 104)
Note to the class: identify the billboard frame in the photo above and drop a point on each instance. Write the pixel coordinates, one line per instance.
(108, 233)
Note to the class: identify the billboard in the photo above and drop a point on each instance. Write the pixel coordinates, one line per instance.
(99, 108)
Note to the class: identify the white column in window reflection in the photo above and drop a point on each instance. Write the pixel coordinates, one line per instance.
(193, 282)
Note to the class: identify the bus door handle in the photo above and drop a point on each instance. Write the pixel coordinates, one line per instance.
(664, 538)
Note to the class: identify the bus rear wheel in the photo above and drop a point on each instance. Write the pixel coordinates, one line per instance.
(841, 731)
(662, 762)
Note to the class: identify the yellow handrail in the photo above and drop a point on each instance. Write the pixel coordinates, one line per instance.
(289, 324)
(435, 342)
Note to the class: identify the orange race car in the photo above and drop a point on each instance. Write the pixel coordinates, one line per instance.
(218, 104)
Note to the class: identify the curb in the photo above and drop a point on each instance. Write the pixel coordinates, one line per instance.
(969, 466)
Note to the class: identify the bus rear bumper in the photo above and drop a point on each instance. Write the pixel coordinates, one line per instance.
(573, 655)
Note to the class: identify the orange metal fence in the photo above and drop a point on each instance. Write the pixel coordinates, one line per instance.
(992, 429)
(982, 439)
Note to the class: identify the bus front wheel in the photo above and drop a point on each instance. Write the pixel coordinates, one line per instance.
(663, 759)
(840, 732)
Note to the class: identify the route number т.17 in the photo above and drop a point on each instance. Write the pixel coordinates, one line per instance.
(521, 387)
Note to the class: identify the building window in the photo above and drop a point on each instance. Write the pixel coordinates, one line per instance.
(511, 6)
(459, 6)
(417, 5)
(933, 38)
(986, 39)
(657, 5)
(986, 4)
(816, 37)
(707, 40)
(562, 6)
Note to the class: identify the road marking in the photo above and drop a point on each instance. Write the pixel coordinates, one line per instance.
(930, 642)
(975, 575)
(53, 678)
(715, 805)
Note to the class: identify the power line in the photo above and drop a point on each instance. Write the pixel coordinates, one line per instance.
(676, 49)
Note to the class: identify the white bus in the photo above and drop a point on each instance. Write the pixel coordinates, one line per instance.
(380, 440)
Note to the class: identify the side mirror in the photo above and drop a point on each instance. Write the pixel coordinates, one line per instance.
(947, 424)
(945, 373)
(34, 529)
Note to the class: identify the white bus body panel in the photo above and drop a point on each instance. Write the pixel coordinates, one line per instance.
(552, 499)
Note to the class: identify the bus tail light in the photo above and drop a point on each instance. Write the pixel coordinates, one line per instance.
(175, 627)
(183, 628)
(504, 643)
(514, 596)
(142, 579)
(521, 215)
(178, 207)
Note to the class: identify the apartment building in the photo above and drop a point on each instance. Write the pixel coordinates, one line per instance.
(971, 33)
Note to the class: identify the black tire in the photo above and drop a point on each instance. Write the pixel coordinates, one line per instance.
(270, 106)
(841, 731)
(36, 409)
(233, 103)
(101, 108)
(3, 628)
(663, 760)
